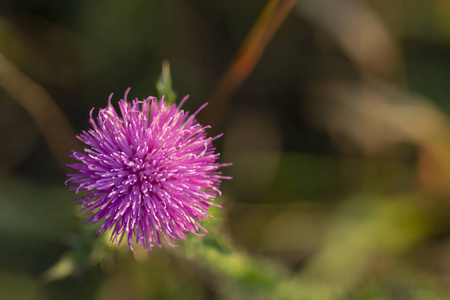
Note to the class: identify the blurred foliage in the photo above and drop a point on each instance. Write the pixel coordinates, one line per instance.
(164, 84)
(339, 138)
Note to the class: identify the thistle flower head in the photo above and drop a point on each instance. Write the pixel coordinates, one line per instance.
(151, 172)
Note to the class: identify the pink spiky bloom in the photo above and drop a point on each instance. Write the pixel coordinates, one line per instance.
(151, 172)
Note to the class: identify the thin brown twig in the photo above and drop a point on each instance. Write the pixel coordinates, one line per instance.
(50, 120)
(250, 53)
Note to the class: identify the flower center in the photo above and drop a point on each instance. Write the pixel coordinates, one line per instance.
(141, 173)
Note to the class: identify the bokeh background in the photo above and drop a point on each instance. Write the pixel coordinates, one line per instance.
(335, 115)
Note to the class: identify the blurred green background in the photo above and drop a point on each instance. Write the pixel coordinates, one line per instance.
(335, 115)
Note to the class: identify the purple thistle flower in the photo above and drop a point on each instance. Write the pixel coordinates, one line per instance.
(151, 172)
